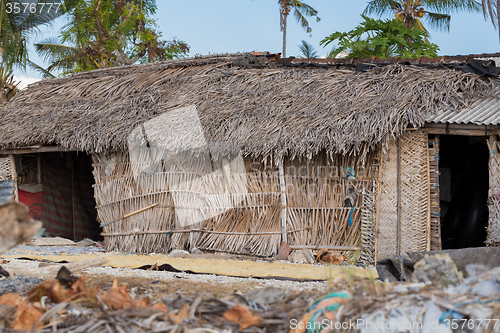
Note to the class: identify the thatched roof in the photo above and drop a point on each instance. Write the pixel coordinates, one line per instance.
(268, 112)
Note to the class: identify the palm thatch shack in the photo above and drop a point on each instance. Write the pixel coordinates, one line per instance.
(236, 154)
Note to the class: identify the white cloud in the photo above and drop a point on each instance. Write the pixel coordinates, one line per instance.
(25, 80)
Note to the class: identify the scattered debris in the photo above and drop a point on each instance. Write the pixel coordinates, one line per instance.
(51, 271)
(325, 256)
(242, 316)
(52, 241)
(437, 269)
(20, 285)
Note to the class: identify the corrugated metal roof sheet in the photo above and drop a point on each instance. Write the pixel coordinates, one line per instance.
(485, 111)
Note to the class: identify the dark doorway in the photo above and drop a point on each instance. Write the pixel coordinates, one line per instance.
(463, 191)
(58, 188)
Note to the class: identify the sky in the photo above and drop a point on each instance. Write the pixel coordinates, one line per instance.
(228, 26)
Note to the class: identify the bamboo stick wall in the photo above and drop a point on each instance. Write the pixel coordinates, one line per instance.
(434, 183)
(407, 227)
(493, 235)
(236, 215)
(316, 190)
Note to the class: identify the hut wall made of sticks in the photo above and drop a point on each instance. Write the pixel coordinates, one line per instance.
(221, 207)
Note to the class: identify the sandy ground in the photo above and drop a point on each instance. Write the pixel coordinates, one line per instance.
(219, 276)
(209, 264)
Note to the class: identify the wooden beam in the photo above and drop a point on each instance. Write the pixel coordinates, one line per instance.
(37, 149)
(459, 129)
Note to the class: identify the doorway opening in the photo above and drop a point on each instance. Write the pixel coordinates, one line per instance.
(58, 189)
(464, 183)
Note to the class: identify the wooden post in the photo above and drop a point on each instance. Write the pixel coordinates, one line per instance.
(39, 169)
(398, 231)
(428, 194)
(284, 237)
(378, 198)
(73, 197)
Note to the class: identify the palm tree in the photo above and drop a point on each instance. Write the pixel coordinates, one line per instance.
(307, 50)
(15, 26)
(435, 12)
(490, 9)
(300, 11)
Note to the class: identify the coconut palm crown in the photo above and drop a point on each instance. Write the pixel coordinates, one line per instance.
(434, 13)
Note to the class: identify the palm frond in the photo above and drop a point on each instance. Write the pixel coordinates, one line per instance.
(438, 21)
(307, 50)
(490, 11)
(381, 7)
(51, 49)
(301, 10)
(301, 20)
(447, 6)
(45, 73)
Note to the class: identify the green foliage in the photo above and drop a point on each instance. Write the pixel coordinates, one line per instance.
(383, 39)
(107, 33)
(307, 50)
(435, 13)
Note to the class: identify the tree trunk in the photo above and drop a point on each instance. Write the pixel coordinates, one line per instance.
(498, 18)
(285, 17)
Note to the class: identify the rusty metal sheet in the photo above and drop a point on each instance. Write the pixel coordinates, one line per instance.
(7, 190)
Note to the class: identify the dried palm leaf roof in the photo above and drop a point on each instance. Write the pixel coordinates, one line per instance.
(266, 112)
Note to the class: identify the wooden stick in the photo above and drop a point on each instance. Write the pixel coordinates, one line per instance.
(428, 194)
(140, 210)
(283, 202)
(378, 198)
(398, 207)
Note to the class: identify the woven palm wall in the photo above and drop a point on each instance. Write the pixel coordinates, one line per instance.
(493, 235)
(187, 207)
(181, 203)
(387, 224)
(415, 200)
(434, 183)
(414, 193)
(316, 190)
(7, 168)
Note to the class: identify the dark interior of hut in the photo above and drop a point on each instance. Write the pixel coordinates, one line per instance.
(57, 188)
(463, 182)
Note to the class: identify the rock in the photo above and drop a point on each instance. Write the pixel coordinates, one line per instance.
(487, 288)
(476, 269)
(438, 269)
(16, 226)
(195, 250)
(297, 257)
(267, 295)
(179, 254)
(249, 61)
(283, 252)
